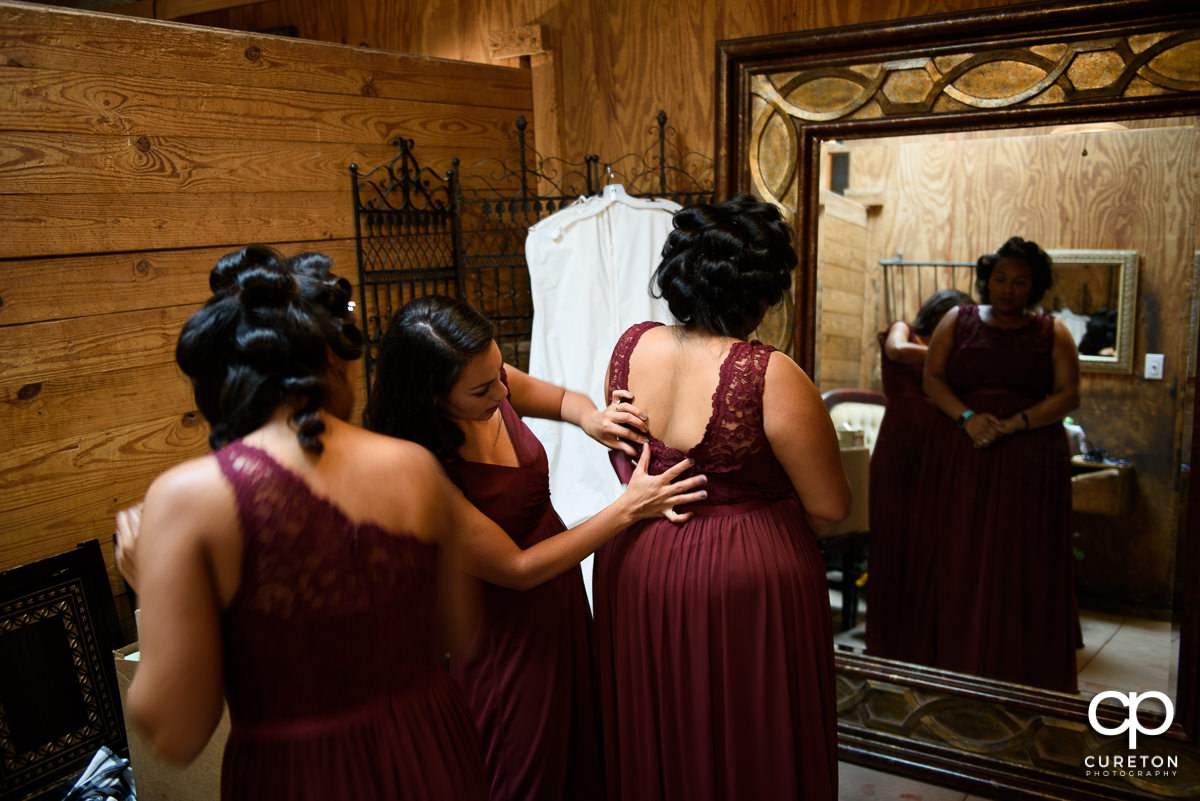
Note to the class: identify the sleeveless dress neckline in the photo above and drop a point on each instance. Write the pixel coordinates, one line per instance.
(715, 403)
(344, 517)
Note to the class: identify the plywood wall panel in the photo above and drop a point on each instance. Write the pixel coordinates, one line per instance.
(952, 198)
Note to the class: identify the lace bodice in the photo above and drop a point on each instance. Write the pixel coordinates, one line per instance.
(318, 592)
(734, 443)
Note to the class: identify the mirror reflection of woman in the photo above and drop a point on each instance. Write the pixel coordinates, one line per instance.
(998, 497)
(896, 474)
(714, 638)
(440, 380)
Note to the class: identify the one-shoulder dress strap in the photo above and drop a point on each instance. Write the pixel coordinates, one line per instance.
(618, 365)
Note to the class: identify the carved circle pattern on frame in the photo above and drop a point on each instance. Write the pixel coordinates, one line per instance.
(1050, 74)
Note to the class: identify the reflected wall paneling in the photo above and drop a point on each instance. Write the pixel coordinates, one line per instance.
(135, 154)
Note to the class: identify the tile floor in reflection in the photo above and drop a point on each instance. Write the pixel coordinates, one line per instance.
(1120, 653)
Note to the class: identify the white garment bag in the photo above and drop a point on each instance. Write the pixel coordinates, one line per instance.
(589, 268)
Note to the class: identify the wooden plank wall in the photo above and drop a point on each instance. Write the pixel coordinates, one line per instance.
(133, 154)
(953, 198)
(845, 314)
(617, 61)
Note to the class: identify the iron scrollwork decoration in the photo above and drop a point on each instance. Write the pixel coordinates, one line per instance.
(1030, 65)
(463, 233)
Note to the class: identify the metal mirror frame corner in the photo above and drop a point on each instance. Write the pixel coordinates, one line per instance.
(999, 739)
(1126, 262)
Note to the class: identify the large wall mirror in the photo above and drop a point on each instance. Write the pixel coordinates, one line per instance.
(907, 149)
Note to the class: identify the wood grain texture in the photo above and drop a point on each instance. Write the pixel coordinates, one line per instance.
(31, 290)
(133, 154)
(42, 37)
(37, 100)
(36, 163)
(954, 197)
(621, 60)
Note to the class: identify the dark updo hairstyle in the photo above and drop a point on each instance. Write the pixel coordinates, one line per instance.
(427, 344)
(935, 308)
(725, 264)
(263, 341)
(1040, 268)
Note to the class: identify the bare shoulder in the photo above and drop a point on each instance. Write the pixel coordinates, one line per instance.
(387, 452)
(196, 483)
(784, 374)
(788, 391)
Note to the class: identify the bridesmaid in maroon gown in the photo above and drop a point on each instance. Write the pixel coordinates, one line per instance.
(714, 638)
(896, 534)
(528, 675)
(1000, 492)
(313, 618)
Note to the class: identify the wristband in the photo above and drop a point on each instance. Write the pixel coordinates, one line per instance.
(1026, 419)
(962, 418)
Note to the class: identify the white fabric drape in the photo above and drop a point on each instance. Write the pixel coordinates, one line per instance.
(589, 268)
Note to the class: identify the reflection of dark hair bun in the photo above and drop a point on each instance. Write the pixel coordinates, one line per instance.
(1040, 268)
(262, 340)
(725, 264)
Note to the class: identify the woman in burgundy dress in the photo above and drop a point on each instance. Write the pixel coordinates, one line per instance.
(714, 638)
(528, 678)
(314, 618)
(896, 535)
(999, 490)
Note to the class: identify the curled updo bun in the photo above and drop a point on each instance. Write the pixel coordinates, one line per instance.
(725, 264)
(263, 341)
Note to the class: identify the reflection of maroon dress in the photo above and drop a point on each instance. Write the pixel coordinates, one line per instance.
(1002, 516)
(896, 535)
(331, 670)
(714, 637)
(529, 683)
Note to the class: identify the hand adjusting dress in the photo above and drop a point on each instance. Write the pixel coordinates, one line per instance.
(714, 639)
(529, 683)
(332, 672)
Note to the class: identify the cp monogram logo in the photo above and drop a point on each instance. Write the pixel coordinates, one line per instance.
(1132, 700)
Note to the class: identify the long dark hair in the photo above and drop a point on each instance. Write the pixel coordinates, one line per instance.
(1040, 268)
(263, 341)
(725, 264)
(935, 307)
(427, 344)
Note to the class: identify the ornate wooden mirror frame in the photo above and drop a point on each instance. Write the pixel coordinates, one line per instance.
(1014, 66)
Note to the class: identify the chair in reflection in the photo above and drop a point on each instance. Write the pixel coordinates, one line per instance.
(844, 547)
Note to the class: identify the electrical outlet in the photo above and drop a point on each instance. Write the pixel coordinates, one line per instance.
(1154, 366)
